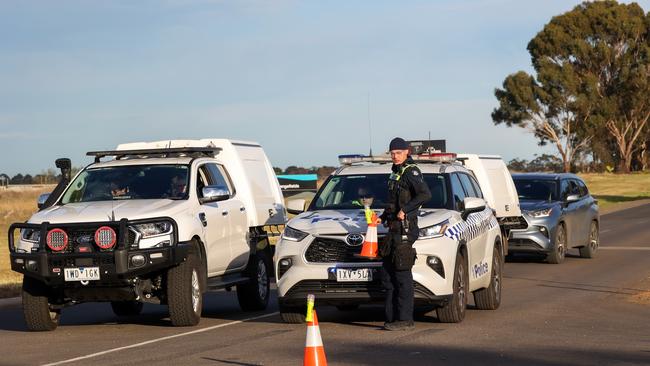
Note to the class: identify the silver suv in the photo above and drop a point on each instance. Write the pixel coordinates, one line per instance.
(561, 214)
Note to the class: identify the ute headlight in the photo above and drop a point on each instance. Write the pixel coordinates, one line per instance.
(541, 213)
(152, 235)
(434, 231)
(31, 235)
(150, 230)
(292, 234)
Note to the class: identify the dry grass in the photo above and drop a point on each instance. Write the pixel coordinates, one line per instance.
(17, 204)
(611, 189)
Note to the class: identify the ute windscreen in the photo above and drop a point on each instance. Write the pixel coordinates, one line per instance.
(354, 191)
(129, 182)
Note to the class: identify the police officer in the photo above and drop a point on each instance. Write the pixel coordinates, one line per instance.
(407, 191)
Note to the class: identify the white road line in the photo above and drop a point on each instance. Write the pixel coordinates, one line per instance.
(160, 339)
(605, 231)
(623, 248)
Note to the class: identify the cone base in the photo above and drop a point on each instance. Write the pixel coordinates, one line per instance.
(315, 356)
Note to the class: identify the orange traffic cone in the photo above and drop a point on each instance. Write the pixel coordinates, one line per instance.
(369, 249)
(314, 351)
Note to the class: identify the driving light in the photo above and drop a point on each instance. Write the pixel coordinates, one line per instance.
(105, 237)
(541, 213)
(57, 239)
(434, 231)
(138, 260)
(283, 266)
(436, 264)
(292, 234)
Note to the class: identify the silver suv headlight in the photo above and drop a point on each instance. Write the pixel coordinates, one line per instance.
(541, 213)
(434, 231)
(292, 234)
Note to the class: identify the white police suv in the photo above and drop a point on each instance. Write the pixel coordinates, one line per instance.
(459, 250)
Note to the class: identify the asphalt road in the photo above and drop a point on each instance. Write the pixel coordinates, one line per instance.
(582, 312)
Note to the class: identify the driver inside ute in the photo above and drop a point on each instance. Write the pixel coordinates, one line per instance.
(177, 187)
(118, 190)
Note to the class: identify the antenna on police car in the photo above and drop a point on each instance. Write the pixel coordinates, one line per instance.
(369, 126)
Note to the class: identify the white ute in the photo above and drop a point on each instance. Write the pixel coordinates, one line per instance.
(161, 222)
(459, 250)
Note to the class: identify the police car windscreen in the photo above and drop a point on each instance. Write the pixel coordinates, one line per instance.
(356, 191)
(129, 182)
(536, 189)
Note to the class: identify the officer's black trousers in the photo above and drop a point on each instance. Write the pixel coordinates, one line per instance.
(399, 292)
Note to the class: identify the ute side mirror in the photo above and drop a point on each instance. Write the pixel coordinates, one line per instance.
(42, 199)
(214, 194)
(296, 206)
(472, 205)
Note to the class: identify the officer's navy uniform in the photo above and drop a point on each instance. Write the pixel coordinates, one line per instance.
(407, 192)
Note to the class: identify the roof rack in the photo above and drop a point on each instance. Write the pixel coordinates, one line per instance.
(156, 153)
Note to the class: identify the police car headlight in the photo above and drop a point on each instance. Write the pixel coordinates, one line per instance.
(292, 234)
(434, 231)
(541, 213)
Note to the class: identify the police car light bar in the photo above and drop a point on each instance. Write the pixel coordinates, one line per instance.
(436, 157)
(431, 157)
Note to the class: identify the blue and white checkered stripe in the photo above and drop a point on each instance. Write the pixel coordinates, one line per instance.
(475, 225)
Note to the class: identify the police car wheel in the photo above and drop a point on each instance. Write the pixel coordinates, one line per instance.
(254, 295)
(127, 308)
(454, 310)
(589, 250)
(293, 314)
(490, 298)
(556, 256)
(185, 292)
(37, 309)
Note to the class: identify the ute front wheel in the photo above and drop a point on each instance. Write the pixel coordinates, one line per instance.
(37, 309)
(185, 292)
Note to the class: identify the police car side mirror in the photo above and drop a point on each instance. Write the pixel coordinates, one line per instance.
(472, 205)
(296, 206)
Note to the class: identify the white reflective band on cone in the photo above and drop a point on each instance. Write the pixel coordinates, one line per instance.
(313, 337)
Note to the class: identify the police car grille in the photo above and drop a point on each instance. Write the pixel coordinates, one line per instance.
(324, 250)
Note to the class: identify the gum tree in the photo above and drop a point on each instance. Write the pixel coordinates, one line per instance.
(592, 68)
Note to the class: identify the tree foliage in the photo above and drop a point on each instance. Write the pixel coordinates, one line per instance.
(590, 88)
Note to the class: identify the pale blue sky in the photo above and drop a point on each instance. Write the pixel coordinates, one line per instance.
(293, 75)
